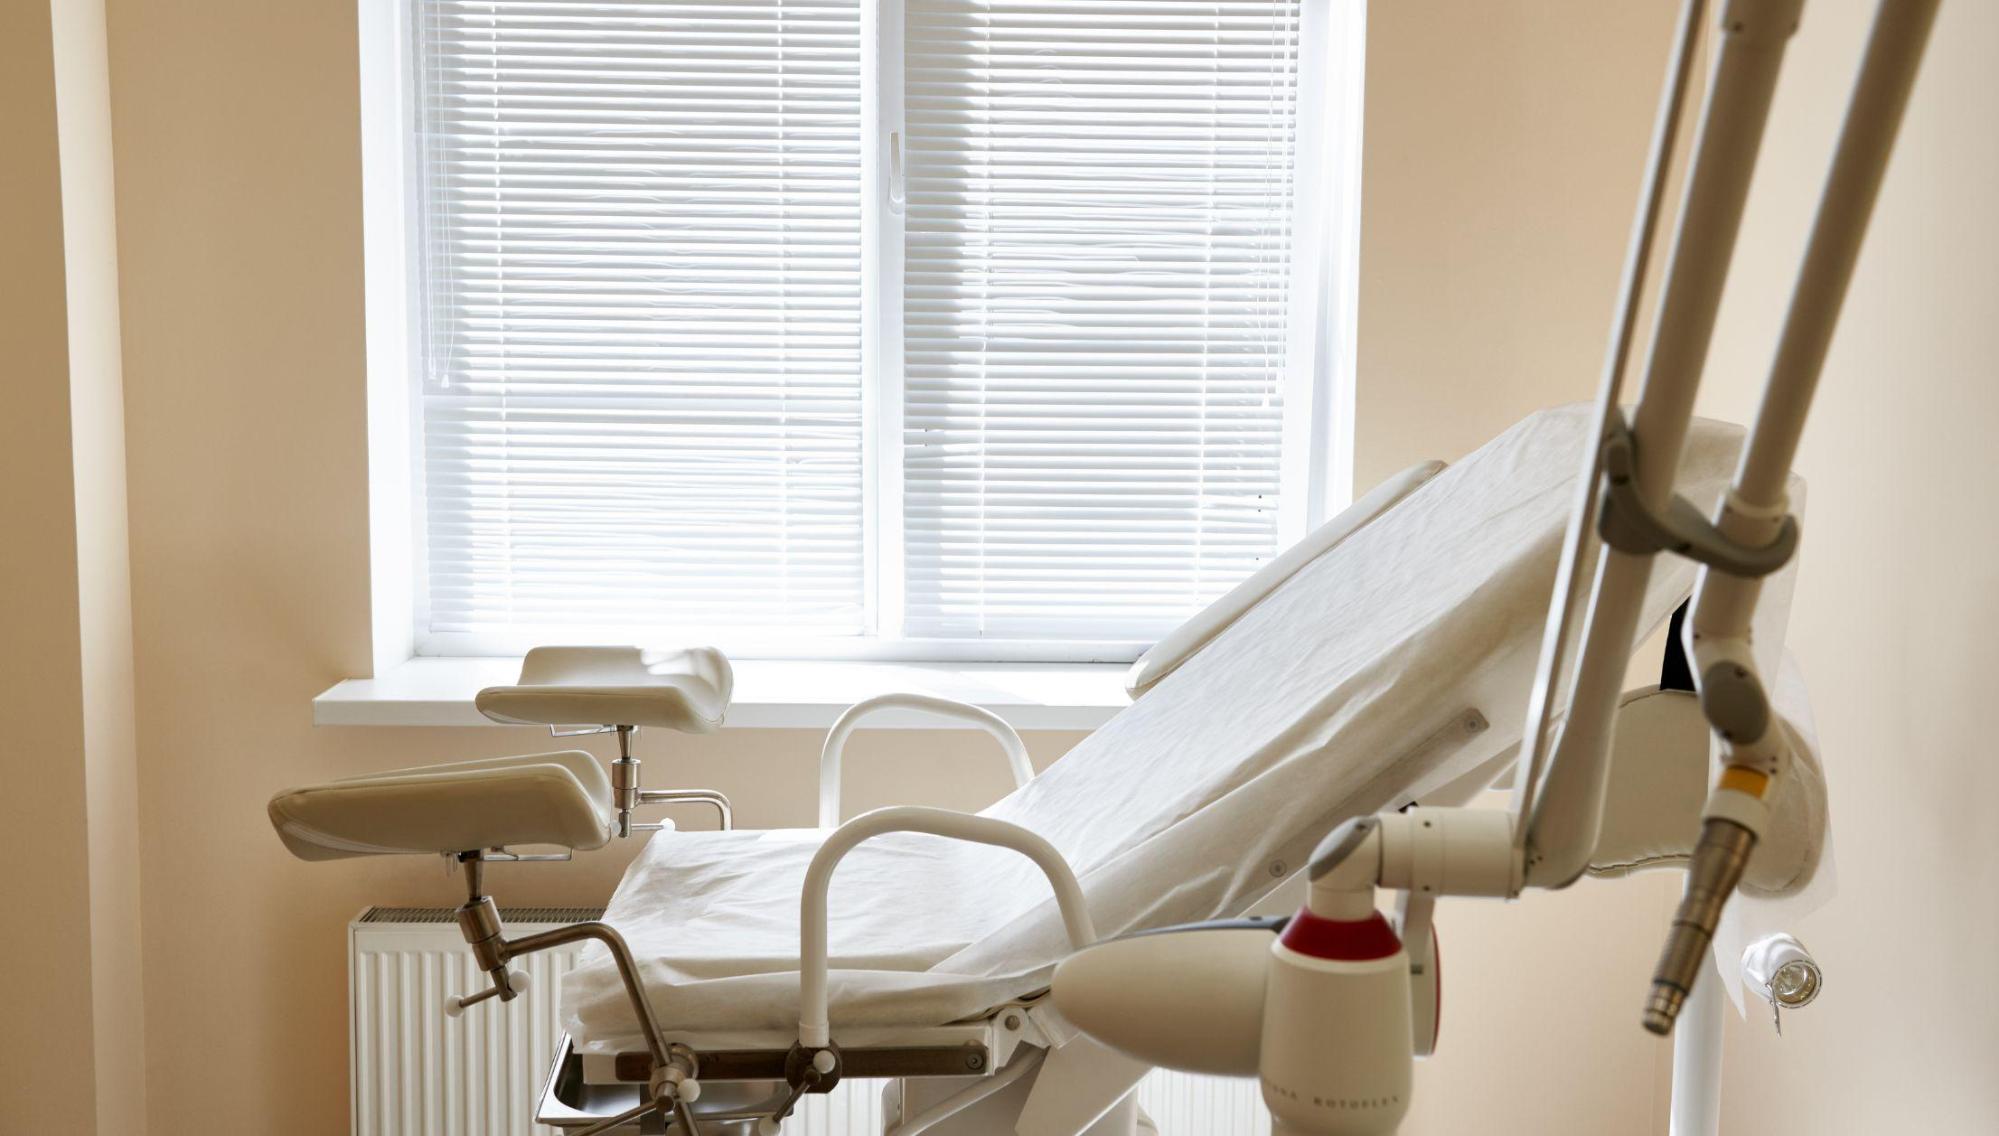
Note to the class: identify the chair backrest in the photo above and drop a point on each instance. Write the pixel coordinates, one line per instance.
(1199, 630)
(1402, 655)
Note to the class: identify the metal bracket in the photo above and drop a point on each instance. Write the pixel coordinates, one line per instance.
(509, 856)
(715, 798)
(502, 855)
(1628, 524)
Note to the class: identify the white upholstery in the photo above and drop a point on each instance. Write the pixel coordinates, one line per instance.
(686, 690)
(1655, 796)
(550, 798)
(1340, 694)
(1179, 645)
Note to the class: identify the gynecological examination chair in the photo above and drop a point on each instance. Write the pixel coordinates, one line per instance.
(1380, 670)
(1310, 744)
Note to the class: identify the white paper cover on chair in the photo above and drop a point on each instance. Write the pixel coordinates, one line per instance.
(1330, 699)
(1185, 640)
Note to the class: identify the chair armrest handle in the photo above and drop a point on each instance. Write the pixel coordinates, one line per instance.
(831, 754)
(814, 1031)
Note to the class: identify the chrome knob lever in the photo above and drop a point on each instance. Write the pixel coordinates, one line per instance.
(513, 984)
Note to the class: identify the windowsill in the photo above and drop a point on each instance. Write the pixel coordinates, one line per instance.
(770, 693)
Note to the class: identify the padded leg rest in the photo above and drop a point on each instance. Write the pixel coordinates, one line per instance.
(685, 690)
(551, 798)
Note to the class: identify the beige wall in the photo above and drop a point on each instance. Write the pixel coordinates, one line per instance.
(72, 1046)
(1504, 145)
(1504, 142)
(47, 1066)
(1898, 595)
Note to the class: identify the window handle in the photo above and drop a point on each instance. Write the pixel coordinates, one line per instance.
(896, 191)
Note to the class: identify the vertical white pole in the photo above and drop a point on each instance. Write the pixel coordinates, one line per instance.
(1697, 1041)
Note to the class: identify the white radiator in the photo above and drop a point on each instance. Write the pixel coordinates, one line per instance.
(416, 1072)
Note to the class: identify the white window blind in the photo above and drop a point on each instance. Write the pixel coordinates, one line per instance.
(1003, 358)
(642, 396)
(1097, 260)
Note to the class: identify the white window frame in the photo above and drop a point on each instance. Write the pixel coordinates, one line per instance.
(1318, 390)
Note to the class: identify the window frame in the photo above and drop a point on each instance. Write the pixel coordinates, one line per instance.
(1317, 455)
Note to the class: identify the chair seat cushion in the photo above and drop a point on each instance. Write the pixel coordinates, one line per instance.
(686, 690)
(550, 798)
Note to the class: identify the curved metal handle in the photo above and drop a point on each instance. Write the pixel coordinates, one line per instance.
(814, 1032)
(831, 753)
(725, 813)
